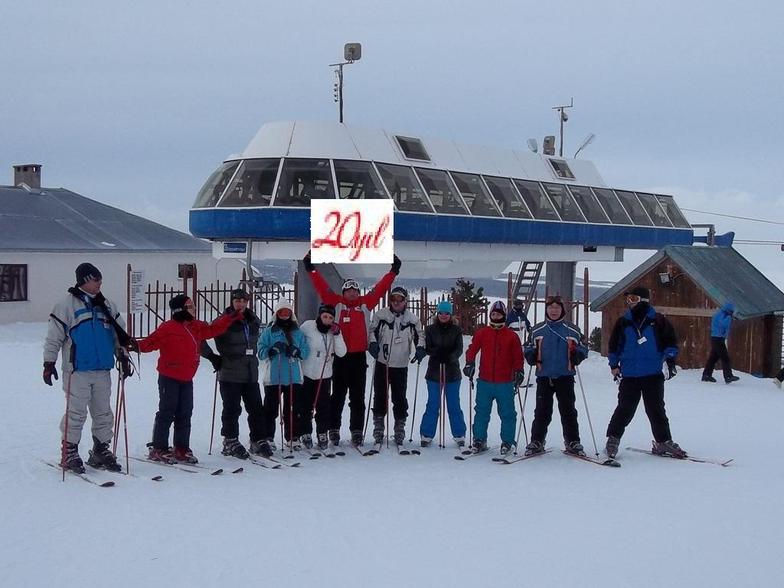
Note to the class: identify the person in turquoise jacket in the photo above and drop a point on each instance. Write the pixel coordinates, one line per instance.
(720, 330)
(283, 344)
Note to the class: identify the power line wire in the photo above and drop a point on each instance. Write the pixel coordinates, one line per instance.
(757, 220)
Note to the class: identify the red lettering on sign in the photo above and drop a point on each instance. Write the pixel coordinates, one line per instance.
(348, 233)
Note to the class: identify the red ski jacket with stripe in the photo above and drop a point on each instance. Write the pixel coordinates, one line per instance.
(502, 353)
(352, 318)
(180, 343)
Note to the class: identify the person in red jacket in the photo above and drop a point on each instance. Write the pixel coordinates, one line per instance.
(500, 373)
(350, 371)
(179, 341)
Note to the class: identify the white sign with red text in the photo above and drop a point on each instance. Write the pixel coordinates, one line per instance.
(351, 231)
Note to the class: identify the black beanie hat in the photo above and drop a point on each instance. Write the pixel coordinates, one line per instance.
(640, 291)
(177, 303)
(86, 272)
(239, 294)
(328, 308)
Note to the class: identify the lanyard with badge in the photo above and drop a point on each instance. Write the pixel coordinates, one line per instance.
(246, 330)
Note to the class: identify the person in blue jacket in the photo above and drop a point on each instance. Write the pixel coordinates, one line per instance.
(284, 345)
(517, 320)
(641, 340)
(555, 347)
(720, 330)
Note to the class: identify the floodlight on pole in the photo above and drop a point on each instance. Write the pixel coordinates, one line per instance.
(562, 118)
(587, 141)
(351, 52)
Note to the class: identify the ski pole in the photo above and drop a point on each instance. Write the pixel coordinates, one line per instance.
(291, 410)
(321, 376)
(442, 406)
(470, 411)
(522, 412)
(214, 404)
(386, 393)
(587, 414)
(413, 414)
(371, 397)
(125, 430)
(116, 433)
(67, 417)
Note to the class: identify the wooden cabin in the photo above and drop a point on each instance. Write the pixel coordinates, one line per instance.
(689, 284)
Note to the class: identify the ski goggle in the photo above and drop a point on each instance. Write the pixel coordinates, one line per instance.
(552, 300)
(634, 298)
(350, 284)
(396, 298)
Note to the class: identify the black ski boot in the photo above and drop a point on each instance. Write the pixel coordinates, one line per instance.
(479, 446)
(323, 442)
(70, 459)
(233, 448)
(102, 458)
(334, 437)
(378, 429)
(357, 439)
(506, 448)
(306, 440)
(668, 448)
(426, 441)
(534, 447)
(708, 378)
(611, 449)
(731, 379)
(400, 431)
(261, 447)
(574, 448)
(460, 442)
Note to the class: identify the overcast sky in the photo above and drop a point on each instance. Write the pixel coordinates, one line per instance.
(134, 104)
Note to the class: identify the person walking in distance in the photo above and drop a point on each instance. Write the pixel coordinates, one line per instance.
(81, 325)
(237, 369)
(325, 342)
(350, 371)
(500, 373)
(179, 342)
(720, 330)
(641, 340)
(394, 333)
(444, 346)
(555, 347)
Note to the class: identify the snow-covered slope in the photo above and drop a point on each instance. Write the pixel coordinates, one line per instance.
(399, 521)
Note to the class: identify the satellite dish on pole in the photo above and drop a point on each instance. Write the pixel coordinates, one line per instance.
(352, 52)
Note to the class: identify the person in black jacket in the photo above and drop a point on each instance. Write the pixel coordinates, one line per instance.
(641, 341)
(238, 373)
(444, 345)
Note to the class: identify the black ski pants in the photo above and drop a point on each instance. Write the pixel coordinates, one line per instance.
(313, 391)
(272, 394)
(718, 352)
(651, 388)
(563, 389)
(247, 392)
(396, 379)
(349, 374)
(175, 405)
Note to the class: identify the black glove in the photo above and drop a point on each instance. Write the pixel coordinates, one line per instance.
(671, 369)
(576, 358)
(126, 367)
(307, 263)
(133, 345)
(396, 263)
(419, 354)
(293, 351)
(276, 349)
(469, 370)
(216, 361)
(373, 348)
(49, 371)
(519, 377)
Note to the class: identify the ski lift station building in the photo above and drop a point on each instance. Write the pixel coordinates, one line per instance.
(460, 210)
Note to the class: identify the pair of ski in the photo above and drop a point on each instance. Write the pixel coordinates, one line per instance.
(191, 468)
(717, 462)
(82, 476)
(377, 447)
(507, 460)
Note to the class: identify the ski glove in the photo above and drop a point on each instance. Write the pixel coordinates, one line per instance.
(373, 348)
(293, 351)
(307, 263)
(396, 263)
(576, 358)
(519, 377)
(125, 366)
(133, 345)
(276, 349)
(216, 361)
(420, 354)
(49, 371)
(671, 369)
(469, 370)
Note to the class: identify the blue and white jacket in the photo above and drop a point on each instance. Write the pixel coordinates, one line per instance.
(83, 332)
(549, 348)
(280, 368)
(635, 358)
(722, 320)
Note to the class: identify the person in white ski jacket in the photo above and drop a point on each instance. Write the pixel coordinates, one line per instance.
(395, 332)
(325, 342)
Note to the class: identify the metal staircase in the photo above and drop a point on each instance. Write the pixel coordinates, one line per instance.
(526, 281)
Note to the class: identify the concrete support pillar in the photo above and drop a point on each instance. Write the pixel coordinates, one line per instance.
(560, 278)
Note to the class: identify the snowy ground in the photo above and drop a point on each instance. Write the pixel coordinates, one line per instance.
(400, 521)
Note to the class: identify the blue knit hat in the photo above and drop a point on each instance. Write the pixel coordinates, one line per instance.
(444, 306)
